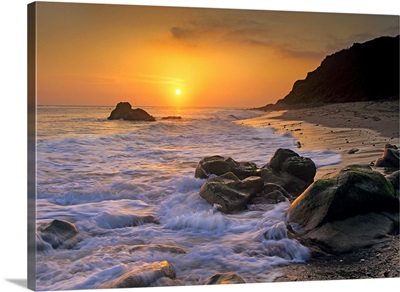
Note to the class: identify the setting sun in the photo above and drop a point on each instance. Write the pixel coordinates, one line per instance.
(178, 92)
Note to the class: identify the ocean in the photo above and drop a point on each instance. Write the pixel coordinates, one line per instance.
(106, 176)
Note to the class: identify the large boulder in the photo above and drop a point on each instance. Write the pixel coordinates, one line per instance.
(225, 278)
(229, 193)
(124, 111)
(144, 276)
(220, 165)
(58, 233)
(390, 157)
(333, 205)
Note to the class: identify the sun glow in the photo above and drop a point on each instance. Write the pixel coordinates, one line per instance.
(178, 92)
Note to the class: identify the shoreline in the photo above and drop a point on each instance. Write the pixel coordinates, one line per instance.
(367, 127)
(339, 127)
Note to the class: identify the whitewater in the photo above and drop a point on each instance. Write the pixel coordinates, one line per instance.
(106, 176)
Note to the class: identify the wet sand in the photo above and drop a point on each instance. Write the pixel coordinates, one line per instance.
(364, 127)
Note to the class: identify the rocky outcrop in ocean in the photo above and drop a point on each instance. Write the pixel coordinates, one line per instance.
(124, 111)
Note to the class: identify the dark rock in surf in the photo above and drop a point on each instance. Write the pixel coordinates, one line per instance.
(270, 194)
(390, 157)
(219, 165)
(225, 278)
(347, 210)
(229, 193)
(144, 276)
(59, 234)
(288, 161)
(289, 170)
(157, 248)
(124, 111)
(172, 118)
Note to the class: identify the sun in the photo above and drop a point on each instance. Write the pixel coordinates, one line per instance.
(178, 92)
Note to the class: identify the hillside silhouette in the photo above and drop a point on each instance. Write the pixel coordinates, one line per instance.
(364, 72)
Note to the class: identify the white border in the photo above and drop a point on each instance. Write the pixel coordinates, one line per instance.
(13, 119)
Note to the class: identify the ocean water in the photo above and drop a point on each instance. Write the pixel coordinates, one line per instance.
(110, 177)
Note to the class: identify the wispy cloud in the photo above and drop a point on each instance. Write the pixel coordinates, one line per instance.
(241, 32)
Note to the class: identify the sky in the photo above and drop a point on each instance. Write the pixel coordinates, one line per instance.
(98, 54)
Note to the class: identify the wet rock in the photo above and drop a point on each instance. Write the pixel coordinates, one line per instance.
(124, 111)
(270, 194)
(219, 165)
(346, 203)
(144, 276)
(288, 161)
(172, 118)
(157, 248)
(229, 193)
(394, 180)
(353, 150)
(390, 157)
(353, 233)
(58, 233)
(225, 278)
(293, 185)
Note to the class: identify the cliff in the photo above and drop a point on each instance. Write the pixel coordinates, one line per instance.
(363, 72)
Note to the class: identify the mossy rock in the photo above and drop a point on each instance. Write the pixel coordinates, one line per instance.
(229, 192)
(219, 165)
(354, 190)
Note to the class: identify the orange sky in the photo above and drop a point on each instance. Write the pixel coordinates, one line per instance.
(90, 54)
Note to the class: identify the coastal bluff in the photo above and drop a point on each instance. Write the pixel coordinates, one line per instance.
(364, 72)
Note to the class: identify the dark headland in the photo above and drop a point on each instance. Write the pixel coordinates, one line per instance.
(363, 72)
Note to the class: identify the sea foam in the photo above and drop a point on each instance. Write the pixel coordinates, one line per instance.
(128, 183)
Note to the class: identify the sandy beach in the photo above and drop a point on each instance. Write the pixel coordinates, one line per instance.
(358, 131)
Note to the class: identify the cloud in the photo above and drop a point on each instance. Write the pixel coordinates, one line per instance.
(238, 31)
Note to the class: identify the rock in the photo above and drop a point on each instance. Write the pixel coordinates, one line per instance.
(293, 185)
(225, 278)
(172, 118)
(394, 180)
(270, 194)
(352, 151)
(124, 111)
(390, 157)
(353, 233)
(335, 204)
(353, 191)
(144, 276)
(157, 248)
(289, 161)
(166, 282)
(219, 165)
(229, 193)
(58, 233)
